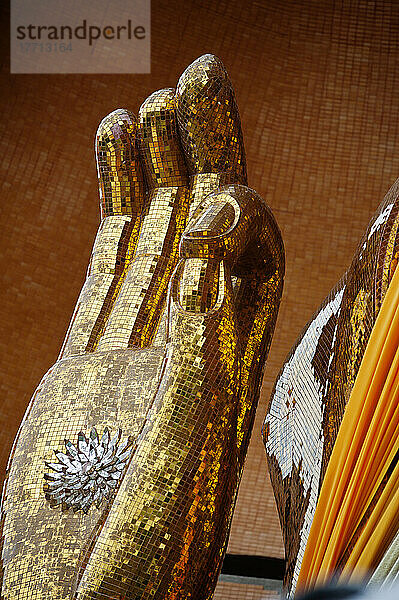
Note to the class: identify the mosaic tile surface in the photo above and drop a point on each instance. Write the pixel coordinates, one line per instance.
(317, 90)
(311, 391)
(124, 473)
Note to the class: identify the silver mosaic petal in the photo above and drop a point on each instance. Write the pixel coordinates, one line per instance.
(88, 472)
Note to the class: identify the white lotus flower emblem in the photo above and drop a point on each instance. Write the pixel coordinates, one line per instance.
(89, 472)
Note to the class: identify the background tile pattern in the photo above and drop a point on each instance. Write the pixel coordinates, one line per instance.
(231, 590)
(315, 84)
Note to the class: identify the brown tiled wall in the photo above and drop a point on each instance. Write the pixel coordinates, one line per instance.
(315, 83)
(227, 590)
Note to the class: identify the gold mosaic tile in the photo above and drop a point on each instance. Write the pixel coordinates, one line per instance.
(315, 382)
(125, 470)
(317, 90)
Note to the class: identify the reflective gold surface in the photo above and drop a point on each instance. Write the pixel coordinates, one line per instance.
(167, 344)
(313, 387)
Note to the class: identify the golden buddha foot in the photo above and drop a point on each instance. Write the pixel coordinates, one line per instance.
(123, 476)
